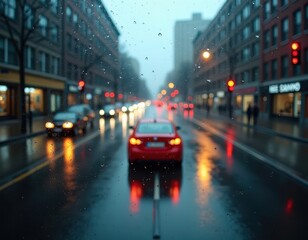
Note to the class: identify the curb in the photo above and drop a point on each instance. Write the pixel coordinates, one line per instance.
(21, 137)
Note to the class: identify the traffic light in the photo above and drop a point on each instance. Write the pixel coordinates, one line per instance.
(230, 85)
(295, 53)
(81, 85)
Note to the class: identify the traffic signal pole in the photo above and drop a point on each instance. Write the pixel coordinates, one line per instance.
(230, 105)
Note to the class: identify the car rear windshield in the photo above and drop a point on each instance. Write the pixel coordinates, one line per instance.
(155, 128)
(65, 117)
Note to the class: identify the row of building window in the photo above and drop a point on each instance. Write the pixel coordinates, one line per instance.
(34, 59)
(270, 69)
(271, 36)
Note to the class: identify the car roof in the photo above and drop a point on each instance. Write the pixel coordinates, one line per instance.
(159, 120)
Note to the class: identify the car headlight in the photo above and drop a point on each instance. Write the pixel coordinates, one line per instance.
(101, 112)
(49, 125)
(67, 125)
(124, 109)
(112, 112)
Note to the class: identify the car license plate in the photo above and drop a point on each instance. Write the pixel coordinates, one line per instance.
(156, 144)
(57, 130)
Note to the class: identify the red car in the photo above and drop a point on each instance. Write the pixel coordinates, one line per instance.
(155, 139)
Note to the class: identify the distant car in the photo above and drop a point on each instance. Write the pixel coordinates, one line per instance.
(66, 123)
(85, 111)
(188, 106)
(127, 107)
(155, 139)
(108, 111)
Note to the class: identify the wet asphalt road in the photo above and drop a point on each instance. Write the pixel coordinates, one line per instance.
(82, 188)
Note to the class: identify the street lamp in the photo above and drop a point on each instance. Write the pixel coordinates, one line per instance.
(206, 54)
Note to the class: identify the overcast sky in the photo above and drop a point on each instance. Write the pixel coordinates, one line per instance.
(147, 26)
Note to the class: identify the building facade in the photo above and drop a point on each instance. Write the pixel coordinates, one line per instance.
(73, 40)
(284, 85)
(250, 42)
(184, 33)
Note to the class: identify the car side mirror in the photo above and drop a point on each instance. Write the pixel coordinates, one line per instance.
(178, 127)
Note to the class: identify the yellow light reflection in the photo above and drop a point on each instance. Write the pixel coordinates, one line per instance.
(124, 125)
(50, 152)
(131, 119)
(102, 126)
(69, 168)
(112, 124)
(205, 157)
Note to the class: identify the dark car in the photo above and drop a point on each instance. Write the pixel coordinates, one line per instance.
(85, 111)
(108, 111)
(155, 140)
(66, 123)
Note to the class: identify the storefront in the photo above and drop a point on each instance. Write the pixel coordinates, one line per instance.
(42, 95)
(286, 99)
(244, 97)
(8, 100)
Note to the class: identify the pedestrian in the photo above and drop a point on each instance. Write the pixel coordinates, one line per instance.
(255, 113)
(249, 113)
(208, 108)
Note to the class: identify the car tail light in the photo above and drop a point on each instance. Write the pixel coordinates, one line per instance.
(67, 125)
(49, 125)
(176, 141)
(191, 105)
(135, 141)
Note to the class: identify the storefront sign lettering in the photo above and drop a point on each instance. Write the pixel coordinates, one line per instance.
(285, 87)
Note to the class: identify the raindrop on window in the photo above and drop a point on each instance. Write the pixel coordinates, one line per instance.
(159, 34)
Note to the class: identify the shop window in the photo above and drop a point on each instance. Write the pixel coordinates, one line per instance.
(288, 104)
(4, 100)
(36, 100)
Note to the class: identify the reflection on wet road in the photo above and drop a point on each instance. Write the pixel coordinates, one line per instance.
(88, 191)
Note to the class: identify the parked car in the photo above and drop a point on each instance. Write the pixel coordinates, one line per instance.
(85, 111)
(66, 123)
(108, 111)
(155, 139)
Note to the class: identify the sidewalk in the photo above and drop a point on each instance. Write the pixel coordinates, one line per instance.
(276, 126)
(10, 130)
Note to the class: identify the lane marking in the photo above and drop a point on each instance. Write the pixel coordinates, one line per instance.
(156, 224)
(45, 161)
(266, 159)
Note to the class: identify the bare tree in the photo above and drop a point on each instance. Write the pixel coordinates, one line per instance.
(20, 33)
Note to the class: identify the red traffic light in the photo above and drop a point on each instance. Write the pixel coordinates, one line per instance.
(295, 53)
(230, 85)
(81, 85)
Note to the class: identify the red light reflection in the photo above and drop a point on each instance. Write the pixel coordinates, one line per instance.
(135, 196)
(175, 191)
(229, 146)
(289, 206)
